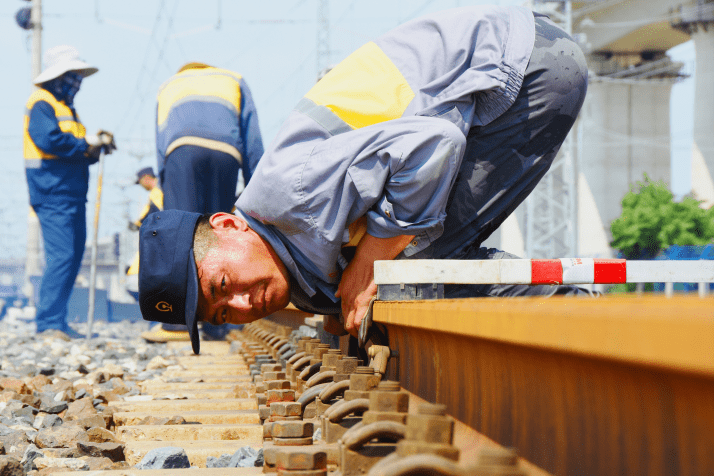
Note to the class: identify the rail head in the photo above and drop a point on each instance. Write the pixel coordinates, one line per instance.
(674, 334)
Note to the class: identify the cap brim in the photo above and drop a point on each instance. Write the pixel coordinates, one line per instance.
(58, 70)
(192, 303)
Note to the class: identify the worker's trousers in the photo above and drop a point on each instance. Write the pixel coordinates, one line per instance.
(196, 179)
(64, 232)
(505, 159)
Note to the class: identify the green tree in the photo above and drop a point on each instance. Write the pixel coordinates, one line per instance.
(652, 221)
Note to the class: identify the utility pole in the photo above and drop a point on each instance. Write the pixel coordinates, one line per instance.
(551, 209)
(323, 37)
(33, 266)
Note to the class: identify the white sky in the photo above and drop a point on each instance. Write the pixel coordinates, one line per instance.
(137, 45)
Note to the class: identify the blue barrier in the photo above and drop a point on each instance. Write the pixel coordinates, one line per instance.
(79, 305)
(121, 311)
(677, 252)
(104, 309)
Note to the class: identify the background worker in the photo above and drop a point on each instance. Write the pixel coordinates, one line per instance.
(146, 178)
(382, 159)
(206, 132)
(57, 158)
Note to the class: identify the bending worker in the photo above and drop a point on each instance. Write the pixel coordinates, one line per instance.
(418, 145)
(57, 158)
(206, 132)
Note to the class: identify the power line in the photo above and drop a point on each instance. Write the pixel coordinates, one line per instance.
(143, 68)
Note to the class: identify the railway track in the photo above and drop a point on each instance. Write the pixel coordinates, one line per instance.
(578, 386)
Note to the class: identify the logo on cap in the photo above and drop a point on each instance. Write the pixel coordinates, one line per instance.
(163, 306)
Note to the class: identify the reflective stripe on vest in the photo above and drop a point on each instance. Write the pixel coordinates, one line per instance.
(67, 123)
(365, 88)
(206, 85)
(206, 144)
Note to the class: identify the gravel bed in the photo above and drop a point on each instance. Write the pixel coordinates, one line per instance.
(54, 393)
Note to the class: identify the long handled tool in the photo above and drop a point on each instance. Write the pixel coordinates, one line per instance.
(93, 267)
(107, 141)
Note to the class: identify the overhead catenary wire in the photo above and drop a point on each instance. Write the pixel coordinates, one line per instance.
(138, 93)
(243, 46)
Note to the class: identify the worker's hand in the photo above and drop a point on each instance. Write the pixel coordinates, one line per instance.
(107, 140)
(356, 290)
(132, 226)
(94, 149)
(357, 286)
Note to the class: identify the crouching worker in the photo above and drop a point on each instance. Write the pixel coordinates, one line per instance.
(418, 145)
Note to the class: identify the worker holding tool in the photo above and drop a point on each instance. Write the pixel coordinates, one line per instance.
(57, 157)
(206, 132)
(417, 145)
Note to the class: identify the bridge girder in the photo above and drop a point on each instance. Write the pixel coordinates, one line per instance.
(627, 28)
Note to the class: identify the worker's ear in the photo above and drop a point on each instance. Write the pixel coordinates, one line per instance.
(227, 221)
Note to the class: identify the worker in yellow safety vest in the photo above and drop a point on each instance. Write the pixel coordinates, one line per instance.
(146, 178)
(58, 153)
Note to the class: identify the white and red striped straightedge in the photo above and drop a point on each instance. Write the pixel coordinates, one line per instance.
(542, 271)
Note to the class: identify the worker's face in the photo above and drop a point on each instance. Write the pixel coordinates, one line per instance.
(147, 181)
(71, 82)
(241, 279)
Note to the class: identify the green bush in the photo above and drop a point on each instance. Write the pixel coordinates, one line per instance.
(651, 221)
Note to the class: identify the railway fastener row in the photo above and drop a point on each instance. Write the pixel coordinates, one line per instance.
(364, 422)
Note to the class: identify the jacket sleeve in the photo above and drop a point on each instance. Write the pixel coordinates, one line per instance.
(397, 174)
(47, 135)
(252, 143)
(404, 170)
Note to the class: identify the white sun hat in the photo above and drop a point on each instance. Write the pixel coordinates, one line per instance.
(59, 60)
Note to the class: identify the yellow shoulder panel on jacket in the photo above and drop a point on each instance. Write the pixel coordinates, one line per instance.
(203, 85)
(364, 89)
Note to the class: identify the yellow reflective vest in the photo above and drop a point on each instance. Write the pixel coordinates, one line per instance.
(65, 118)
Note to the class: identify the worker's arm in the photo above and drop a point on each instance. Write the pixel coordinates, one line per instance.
(251, 147)
(134, 226)
(357, 284)
(47, 135)
(155, 204)
(396, 175)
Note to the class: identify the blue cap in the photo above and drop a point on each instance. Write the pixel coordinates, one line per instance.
(144, 171)
(168, 280)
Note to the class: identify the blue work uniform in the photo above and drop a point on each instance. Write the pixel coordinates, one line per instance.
(57, 178)
(437, 129)
(206, 131)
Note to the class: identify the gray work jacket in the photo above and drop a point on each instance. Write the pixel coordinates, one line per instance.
(382, 136)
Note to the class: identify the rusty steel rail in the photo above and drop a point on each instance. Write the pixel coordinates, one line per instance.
(615, 385)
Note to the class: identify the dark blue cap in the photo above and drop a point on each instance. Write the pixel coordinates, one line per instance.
(144, 171)
(168, 281)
